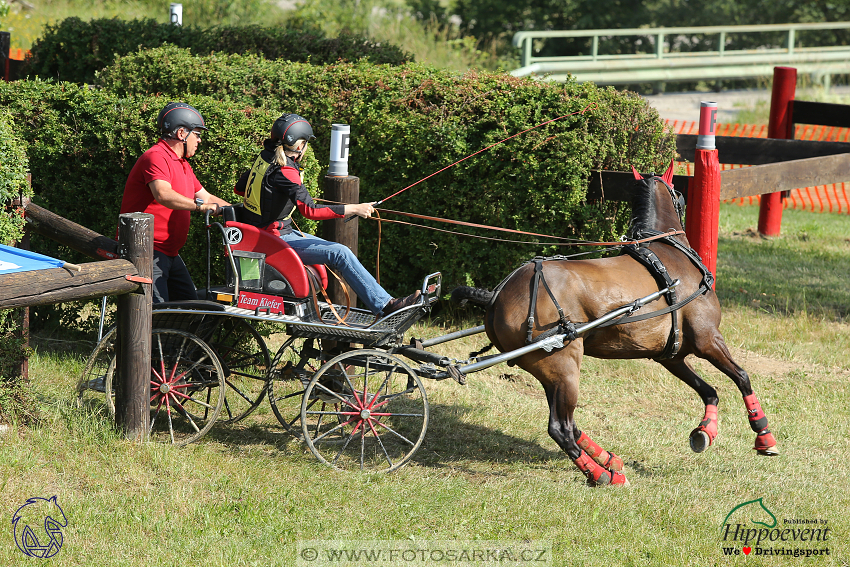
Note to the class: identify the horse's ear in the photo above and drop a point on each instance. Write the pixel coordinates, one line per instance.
(668, 175)
(637, 175)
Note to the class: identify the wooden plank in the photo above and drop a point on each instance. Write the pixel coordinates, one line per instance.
(762, 179)
(759, 151)
(820, 113)
(57, 285)
(616, 185)
(69, 233)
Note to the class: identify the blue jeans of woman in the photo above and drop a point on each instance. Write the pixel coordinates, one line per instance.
(338, 257)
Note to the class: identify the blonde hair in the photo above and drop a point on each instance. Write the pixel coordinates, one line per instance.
(283, 150)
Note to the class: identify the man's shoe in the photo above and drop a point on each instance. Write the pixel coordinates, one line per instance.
(396, 304)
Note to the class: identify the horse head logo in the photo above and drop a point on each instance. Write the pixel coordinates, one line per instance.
(754, 507)
(38, 527)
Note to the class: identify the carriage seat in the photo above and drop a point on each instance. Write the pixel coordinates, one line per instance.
(283, 273)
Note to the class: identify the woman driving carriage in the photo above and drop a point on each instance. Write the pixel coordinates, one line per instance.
(273, 188)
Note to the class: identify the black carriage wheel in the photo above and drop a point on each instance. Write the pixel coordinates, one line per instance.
(365, 410)
(92, 383)
(187, 387)
(246, 363)
(293, 366)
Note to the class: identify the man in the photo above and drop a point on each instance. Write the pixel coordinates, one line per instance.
(163, 184)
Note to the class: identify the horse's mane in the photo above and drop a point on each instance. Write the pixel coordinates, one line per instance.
(643, 206)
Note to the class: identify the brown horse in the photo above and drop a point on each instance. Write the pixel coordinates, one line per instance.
(578, 291)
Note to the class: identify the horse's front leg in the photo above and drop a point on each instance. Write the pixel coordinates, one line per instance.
(720, 357)
(559, 374)
(703, 435)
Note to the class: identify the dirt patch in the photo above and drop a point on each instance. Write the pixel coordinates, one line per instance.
(755, 363)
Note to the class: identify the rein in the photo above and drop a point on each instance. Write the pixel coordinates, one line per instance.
(571, 241)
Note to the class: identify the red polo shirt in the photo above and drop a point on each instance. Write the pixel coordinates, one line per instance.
(170, 227)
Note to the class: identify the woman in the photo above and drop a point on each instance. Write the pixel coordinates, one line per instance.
(273, 188)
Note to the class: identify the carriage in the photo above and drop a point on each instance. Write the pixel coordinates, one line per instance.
(344, 381)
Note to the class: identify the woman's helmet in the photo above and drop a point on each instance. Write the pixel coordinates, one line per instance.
(290, 128)
(179, 115)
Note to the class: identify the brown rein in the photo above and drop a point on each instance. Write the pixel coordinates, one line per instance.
(572, 241)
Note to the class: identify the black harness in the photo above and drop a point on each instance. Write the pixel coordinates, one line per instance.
(644, 256)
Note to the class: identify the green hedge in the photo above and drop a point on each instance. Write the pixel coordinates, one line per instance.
(82, 144)
(15, 397)
(73, 49)
(410, 121)
(407, 122)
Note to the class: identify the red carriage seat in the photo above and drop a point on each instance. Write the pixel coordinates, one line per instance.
(284, 273)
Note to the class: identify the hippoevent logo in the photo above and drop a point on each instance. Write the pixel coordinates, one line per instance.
(750, 528)
(38, 527)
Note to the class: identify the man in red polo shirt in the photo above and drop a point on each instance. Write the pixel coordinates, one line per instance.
(163, 184)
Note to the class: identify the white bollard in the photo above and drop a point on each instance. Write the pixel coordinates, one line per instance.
(340, 138)
(177, 14)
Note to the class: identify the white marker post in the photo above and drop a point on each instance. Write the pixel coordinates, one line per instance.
(177, 14)
(340, 143)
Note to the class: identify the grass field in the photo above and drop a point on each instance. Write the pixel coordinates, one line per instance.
(248, 494)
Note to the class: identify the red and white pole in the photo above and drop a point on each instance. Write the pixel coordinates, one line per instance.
(779, 126)
(703, 214)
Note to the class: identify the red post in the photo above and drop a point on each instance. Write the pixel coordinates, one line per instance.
(703, 215)
(780, 126)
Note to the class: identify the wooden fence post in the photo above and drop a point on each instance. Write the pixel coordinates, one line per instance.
(5, 41)
(342, 190)
(133, 340)
(780, 125)
(703, 214)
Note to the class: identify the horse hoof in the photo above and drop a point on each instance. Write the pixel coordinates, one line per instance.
(699, 440)
(616, 479)
(768, 452)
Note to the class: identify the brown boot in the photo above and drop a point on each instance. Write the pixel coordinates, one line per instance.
(394, 305)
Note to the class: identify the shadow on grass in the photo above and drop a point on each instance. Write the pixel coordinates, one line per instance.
(449, 439)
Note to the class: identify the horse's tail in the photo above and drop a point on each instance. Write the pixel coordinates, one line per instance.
(475, 295)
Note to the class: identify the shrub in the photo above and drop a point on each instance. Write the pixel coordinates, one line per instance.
(82, 144)
(410, 121)
(15, 399)
(407, 122)
(73, 50)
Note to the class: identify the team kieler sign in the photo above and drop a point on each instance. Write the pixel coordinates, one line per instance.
(255, 301)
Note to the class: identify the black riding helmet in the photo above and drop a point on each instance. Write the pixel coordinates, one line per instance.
(179, 115)
(290, 128)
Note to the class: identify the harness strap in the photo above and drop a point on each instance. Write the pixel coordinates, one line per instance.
(564, 324)
(652, 263)
(643, 316)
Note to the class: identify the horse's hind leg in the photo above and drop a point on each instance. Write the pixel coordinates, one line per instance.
(706, 431)
(718, 354)
(558, 373)
(605, 458)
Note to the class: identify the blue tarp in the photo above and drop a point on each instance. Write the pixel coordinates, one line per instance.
(17, 260)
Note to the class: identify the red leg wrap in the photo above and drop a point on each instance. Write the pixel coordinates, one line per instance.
(709, 423)
(758, 423)
(765, 440)
(758, 420)
(606, 459)
(596, 474)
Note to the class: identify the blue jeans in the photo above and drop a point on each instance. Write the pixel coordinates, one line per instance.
(314, 250)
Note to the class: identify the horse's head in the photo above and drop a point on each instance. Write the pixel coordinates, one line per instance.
(656, 205)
